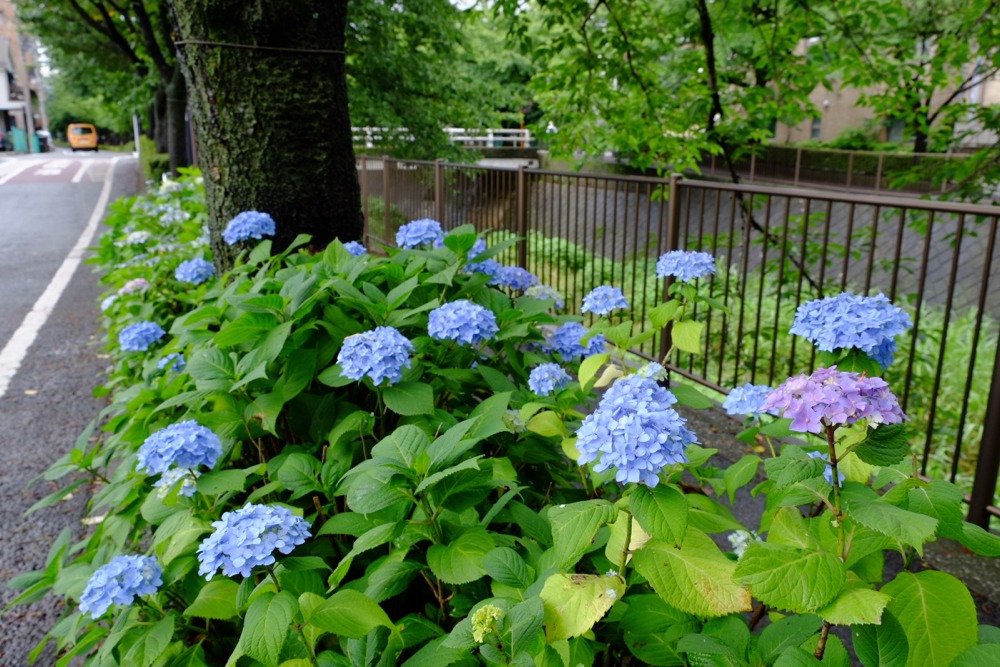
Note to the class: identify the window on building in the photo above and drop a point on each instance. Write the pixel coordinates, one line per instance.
(817, 127)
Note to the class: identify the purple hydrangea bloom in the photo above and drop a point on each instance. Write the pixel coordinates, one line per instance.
(186, 444)
(195, 271)
(604, 299)
(138, 337)
(834, 398)
(543, 292)
(515, 278)
(356, 249)
(547, 378)
(248, 225)
(746, 400)
(420, 232)
(133, 286)
(866, 323)
(174, 361)
(685, 265)
(828, 472)
(381, 354)
(248, 537)
(635, 430)
(567, 341)
(119, 582)
(464, 321)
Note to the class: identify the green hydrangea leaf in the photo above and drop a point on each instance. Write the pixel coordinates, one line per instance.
(461, 560)
(696, 578)
(864, 506)
(216, 600)
(784, 577)
(574, 527)
(937, 614)
(883, 644)
(661, 511)
(574, 602)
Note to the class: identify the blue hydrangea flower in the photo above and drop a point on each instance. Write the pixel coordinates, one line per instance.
(746, 400)
(828, 472)
(186, 477)
(604, 299)
(248, 537)
(866, 323)
(174, 361)
(133, 286)
(567, 341)
(685, 265)
(186, 444)
(195, 271)
(464, 321)
(544, 292)
(420, 232)
(515, 278)
(119, 582)
(355, 248)
(490, 267)
(652, 371)
(547, 378)
(634, 430)
(108, 302)
(381, 354)
(477, 249)
(138, 337)
(248, 225)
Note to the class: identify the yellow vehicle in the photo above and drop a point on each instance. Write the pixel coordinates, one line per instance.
(82, 137)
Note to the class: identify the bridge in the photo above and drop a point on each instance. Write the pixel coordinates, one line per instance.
(501, 147)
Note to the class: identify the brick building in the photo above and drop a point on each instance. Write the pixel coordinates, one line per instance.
(22, 100)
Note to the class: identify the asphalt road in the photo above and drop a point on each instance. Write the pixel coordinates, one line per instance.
(46, 204)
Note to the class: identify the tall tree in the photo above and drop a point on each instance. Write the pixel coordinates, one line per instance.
(663, 82)
(268, 91)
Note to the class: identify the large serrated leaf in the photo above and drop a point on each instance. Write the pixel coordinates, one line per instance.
(403, 445)
(785, 470)
(248, 327)
(885, 446)
(505, 565)
(881, 645)
(864, 506)
(574, 527)
(409, 398)
(937, 614)
(216, 600)
(461, 560)
(696, 578)
(786, 633)
(662, 512)
(266, 625)
(574, 602)
(348, 613)
(942, 501)
(856, 604)
(784, 577)
(987, 655)
(686, 336)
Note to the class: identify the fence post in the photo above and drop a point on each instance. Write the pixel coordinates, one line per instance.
(753, 166)
(387, 205)
(878, 172)
(439, 190)
(984, 484)
(850, 167)
(364, 197)
(522, 217)
(798, 163)
(673, 225)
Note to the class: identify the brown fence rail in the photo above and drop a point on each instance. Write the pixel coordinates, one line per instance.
(777, 248)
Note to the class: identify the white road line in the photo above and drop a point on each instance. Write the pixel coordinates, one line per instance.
(17, 348)
(83, 169)
(17, 170)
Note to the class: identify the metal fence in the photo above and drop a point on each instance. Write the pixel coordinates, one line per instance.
(777, 248)
(831, 168)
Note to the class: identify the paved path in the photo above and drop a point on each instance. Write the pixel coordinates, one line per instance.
(46, 203)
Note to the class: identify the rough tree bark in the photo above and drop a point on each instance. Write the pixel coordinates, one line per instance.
(267, 89)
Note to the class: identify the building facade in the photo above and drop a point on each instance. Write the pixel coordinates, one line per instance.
(22, 99)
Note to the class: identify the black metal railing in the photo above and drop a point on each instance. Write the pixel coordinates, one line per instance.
(777, 248)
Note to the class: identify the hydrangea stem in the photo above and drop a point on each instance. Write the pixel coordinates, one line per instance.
(301, 630)
(831, 442)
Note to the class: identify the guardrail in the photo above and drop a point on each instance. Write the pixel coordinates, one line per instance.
(370, 137)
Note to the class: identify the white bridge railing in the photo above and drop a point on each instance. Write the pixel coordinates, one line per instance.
(369, 137)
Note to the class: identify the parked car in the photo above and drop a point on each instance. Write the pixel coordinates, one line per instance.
(82, 136)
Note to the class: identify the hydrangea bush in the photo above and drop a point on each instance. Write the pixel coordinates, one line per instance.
(399, 459)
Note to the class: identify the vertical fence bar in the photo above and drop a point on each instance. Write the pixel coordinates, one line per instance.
(753, 165)
(364, 198)
(386, 200)
(439, 191)
(850, 167)
(798, 164)
(522, 218)
(984, 485)
(878, 172)
(673, 222)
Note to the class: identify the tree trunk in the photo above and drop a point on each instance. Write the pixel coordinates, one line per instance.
(160, 119)
(176, 129)
(268, 93)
